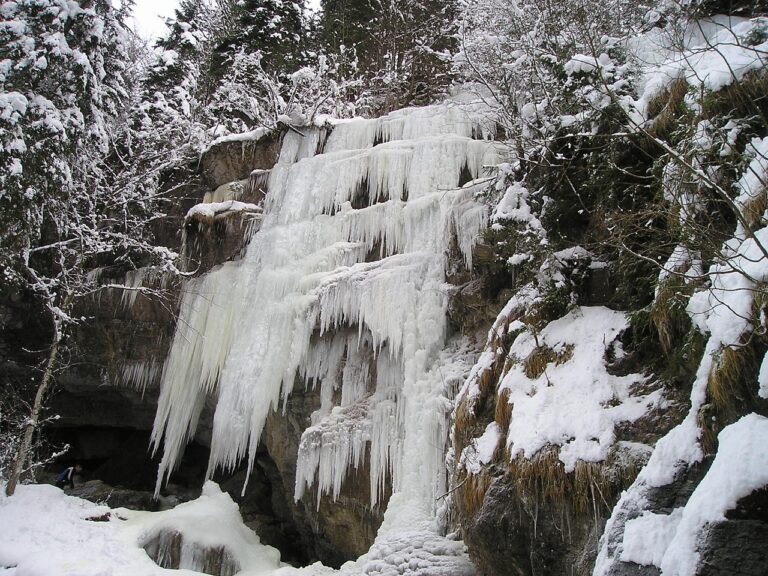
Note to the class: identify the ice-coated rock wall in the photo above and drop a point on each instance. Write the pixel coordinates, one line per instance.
(354, 239)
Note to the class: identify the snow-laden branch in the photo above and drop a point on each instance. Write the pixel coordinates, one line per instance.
(207, 212)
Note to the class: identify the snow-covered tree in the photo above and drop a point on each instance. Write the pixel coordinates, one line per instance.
(345, 26)
(67, 205)
(249, 97)
(522, 51)
(274, 28)
(177, 84)
(403, 48)
(414, 44)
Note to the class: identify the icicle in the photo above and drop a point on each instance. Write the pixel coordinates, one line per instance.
(300, 143)
(133, 279)
(140, 374)
(229, 191)
(258, 180)
(459, 117)
(307, 302)
(197, 354)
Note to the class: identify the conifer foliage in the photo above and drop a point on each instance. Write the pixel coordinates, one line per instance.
(403, 48)
(276, 29)
(69, 200)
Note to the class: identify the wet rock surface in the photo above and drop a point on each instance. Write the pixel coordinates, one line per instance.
(100, 492)
(333, 531)
(735, 547)
(510, 535)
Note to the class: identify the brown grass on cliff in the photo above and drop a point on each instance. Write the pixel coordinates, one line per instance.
(472, 490)
(754, 208)
(503, 412)
(732, 382)
(536, 362)
(666, 108)
(668, 314)
(590, 486)
(466, 424)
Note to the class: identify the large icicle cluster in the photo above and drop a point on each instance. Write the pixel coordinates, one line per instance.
(344, 287)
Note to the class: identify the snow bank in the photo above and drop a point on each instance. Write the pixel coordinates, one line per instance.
(212, 521)
(45, 532)
(740, 467)
(716, 53)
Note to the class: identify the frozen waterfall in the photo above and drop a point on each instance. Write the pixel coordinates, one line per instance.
(343, 286)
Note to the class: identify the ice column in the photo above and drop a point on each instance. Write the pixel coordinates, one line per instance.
(344, 294)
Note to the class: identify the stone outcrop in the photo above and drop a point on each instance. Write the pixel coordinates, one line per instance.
(511, 521)
(232, 160)
(169, 550)
(334, 531)
(117, 497)
(514, 534)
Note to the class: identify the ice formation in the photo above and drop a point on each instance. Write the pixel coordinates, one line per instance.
(141, 373)
(343, 287)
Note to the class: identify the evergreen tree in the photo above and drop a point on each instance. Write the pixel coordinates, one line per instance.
(276, 29)
(175, 81)
(402, 47)
(64, 208)
(61, 78)
(345, 26)
(419, 38)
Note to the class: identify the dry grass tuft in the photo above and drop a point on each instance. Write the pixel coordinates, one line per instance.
(668, 316)
(543, 475)
(732, 383)
(726, 386)
(536, 362)
(472, 492)
(591, 486)
(489, 379)
(503, 412)
(564, 355)
(741, 99)
(464, 426)
(666, 107)
(754, 209)
(709, 431)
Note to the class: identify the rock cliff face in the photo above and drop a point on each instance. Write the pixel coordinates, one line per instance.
(518, 513)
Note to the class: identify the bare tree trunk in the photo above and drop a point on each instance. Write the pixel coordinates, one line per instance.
(34, 418)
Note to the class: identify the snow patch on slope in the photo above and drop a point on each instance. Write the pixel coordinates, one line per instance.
(670, 542)
(575, 403)
(47, 532)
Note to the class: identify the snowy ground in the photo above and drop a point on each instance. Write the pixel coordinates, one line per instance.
(46, 532)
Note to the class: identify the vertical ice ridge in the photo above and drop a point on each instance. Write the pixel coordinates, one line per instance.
(309, 306)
